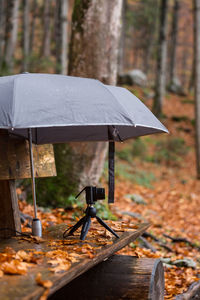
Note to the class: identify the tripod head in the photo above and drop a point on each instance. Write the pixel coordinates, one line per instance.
(92, 194)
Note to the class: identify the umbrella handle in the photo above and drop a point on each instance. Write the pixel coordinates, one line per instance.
(36, 224)
(32, 171)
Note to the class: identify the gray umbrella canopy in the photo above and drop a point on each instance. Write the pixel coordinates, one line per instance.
(63, 108)
(55, 108)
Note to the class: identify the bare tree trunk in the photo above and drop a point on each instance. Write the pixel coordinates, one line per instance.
(197, 80)
(95, 39)
(183, 74)
(136, 58)
(172, 71)
(12, 39)
(147, 54)
(192, 75)
(64, 11)
(47, 29)
(149, 44)
(26, 35)
(93, 53)
(122, 38)
(32, 33)
(161, 60)
(2, 29)
(57, 34)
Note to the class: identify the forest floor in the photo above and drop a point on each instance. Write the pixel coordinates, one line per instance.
(172, 203)
(155, 181)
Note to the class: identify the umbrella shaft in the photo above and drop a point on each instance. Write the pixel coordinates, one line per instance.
(32, 171)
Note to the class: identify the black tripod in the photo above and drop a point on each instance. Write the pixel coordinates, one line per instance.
(92, 194)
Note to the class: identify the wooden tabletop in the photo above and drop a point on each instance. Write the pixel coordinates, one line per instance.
(84, 256)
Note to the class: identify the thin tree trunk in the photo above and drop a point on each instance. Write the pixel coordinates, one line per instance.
(2, 29)
(192, 75)
(12, 39)
(151, 40)
(93, 53)
(26, 35)
(34, 16)
(161, 60)
(58, 35)
(64, 11)
(197, 80)
(47, 29)
(122, 38)
(172, 71)
(136, 55)
(147, 54)
(183, 74)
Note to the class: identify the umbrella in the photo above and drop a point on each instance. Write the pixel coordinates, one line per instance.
(48, 108)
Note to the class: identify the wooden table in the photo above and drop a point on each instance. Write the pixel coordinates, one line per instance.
(25, 287)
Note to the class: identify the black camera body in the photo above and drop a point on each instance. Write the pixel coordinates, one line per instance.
(93, 194)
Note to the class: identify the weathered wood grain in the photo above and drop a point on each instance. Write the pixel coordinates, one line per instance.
(15, 161)
(9, 210)
(192, 293)
(24, 287)
(119, 277)
(15, 164)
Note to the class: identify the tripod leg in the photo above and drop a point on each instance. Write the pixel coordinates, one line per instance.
(74, 228)
(85, 228)
(106, 226)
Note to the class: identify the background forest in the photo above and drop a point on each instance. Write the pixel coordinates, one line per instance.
(151, 47)
(35, 37)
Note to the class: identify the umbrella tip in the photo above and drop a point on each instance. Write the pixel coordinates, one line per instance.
(36, 227)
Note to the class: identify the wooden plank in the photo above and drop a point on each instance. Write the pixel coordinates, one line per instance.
(9, 212)
(15, 161)
(24, 286)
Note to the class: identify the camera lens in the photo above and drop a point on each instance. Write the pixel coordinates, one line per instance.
(100, 193)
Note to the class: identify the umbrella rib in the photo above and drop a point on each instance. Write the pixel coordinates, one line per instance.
(153, 127)
(12, 119)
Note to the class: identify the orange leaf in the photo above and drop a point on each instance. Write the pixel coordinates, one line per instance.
(45, 295)
(14, 267)
(45, 283)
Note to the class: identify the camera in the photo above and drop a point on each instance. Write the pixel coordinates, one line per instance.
(93, 194)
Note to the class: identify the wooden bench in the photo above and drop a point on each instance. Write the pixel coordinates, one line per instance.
(25, 287)
(145, 277)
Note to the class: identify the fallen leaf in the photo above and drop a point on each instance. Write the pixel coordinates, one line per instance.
(45, 294)
(60, 267)
(45, 283)
(9, 250)
(14, 267)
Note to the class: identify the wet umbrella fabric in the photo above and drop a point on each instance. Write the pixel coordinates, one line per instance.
(56, 108)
